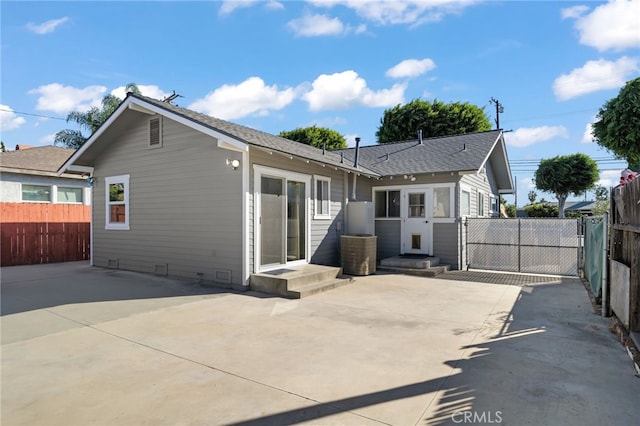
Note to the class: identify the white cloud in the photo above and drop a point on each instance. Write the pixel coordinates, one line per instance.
(411, 68)
(587, 136)
(316, 25)
(595, 76)
(574, 12)
(609, 178)
(342, 90)
(151, 91)
(414, 12)
(8, 119)
(62, 99)
(526, 136)
(251, 97)
(48, 139)
(613, 25)
(46, 27)
(231, 5)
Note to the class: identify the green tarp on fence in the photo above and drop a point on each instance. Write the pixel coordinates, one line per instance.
(593, 252)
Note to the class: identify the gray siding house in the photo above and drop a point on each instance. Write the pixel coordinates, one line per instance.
(183, 194)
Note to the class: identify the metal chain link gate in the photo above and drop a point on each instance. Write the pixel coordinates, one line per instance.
(532, 245)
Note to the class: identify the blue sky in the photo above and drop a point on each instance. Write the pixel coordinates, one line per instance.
(279, 65)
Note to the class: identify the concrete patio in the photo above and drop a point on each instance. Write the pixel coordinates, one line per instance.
(89, 346)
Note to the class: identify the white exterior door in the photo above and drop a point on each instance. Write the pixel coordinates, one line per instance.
(417, 221)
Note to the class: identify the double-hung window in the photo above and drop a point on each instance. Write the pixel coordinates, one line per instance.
(117, 202)
(322, 197)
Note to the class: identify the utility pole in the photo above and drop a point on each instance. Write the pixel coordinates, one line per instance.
(499, 109)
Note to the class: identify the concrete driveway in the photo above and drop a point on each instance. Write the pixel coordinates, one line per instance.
(88, 346)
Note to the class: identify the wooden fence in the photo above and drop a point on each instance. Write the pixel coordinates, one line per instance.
(33, 233)
(625, 245)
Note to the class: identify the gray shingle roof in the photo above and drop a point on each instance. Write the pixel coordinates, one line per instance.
(258, 138)
(39, 159)
(442, 154)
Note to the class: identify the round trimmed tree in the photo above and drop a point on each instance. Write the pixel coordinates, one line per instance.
(566, 174)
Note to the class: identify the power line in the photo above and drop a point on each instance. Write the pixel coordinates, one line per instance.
(35, 115)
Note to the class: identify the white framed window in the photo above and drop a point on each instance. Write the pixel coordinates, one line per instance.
(40, 193)
(481, 204)
(155, 132)
(442, 201)
(495, 211)
(322, 197)
(387, 203)
(69, 195)
(117, 202)
(465, 203)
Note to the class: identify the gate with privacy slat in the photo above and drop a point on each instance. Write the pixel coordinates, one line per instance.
(532, 245)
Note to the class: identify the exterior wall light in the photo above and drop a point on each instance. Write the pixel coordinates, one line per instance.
(234, 164)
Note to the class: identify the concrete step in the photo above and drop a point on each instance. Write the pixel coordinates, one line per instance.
(409, 262)
(289, 279)
(423, 272)
(319, 287)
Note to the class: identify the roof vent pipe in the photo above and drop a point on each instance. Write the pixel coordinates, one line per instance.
(355, 162)
(420, 136)
(341, 157)
(324, 148)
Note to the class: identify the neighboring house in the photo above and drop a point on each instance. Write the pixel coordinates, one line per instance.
(45, 217)
(28, 175)
(583, 207)
(184, 194)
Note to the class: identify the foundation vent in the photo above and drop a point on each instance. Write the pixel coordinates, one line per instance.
(223, 276)
(113, 263)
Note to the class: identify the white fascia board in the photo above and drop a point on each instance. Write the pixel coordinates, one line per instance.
(81, 169)
(123, 106)
(227, 141)
(232, 145)
(140, 108)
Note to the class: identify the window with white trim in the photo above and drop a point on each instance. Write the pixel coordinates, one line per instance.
(442, 202)
(322, 197)
(40, 193)
(465, 203)
(69, 195)
(117, 202)
(387, 203)
(495, 211)
(481, 206)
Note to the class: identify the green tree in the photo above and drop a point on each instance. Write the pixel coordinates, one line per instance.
(602, 201)
(316, 136)
(566, 174)
(402, 122)
(532, 197)
(90, 120)
(509, 209)
(541, 210)
(618, 124)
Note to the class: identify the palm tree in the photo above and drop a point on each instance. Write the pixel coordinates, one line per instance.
(90, 120)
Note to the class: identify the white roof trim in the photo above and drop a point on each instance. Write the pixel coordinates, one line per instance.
(143, 106)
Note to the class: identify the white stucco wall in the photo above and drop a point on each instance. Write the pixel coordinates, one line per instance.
(11, 186)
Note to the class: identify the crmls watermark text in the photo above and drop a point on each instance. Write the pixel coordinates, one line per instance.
(486, 417)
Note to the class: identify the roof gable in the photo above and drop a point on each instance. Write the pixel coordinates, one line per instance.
(229, 135)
